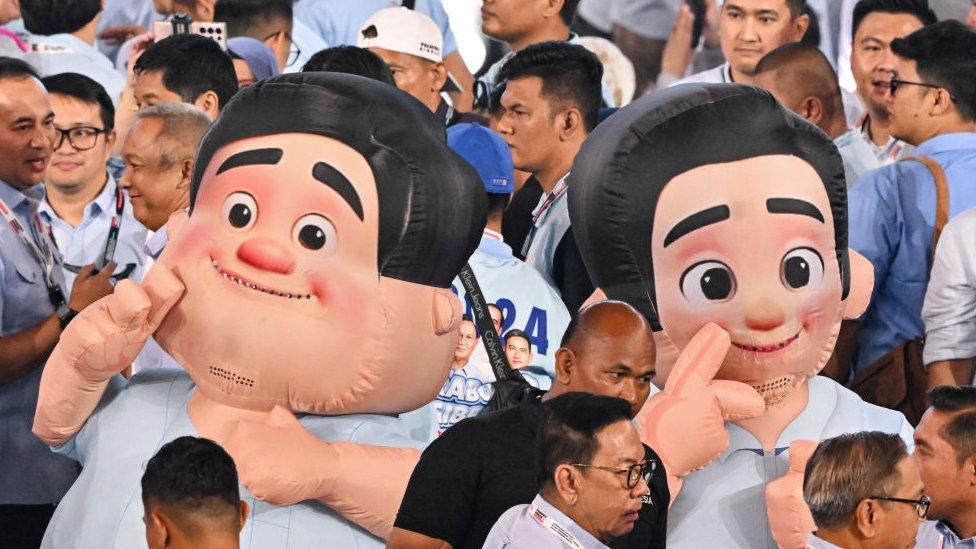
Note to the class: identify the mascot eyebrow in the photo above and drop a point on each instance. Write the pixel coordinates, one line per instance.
(323, 172)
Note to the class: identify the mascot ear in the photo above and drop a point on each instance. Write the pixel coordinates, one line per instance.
(447, 311)
(862, 284)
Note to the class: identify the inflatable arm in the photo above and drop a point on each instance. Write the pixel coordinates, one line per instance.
(789, 516)
(692, 402)
(282, 463)
(100, 342)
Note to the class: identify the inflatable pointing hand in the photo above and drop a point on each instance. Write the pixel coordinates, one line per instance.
(692, 402)
(789, 516)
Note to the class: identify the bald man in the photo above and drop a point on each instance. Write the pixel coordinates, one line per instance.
(484, 465)
(801, 78)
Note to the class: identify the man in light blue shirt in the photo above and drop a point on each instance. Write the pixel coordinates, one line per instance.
(63, 40)
(892, 209)
(945, 449)
(33, 308)
(592, 479)
(89, 213)
(338, 23)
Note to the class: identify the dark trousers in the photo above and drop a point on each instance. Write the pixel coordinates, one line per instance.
(22, 526)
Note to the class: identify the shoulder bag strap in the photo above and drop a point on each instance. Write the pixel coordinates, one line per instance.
(941, 197)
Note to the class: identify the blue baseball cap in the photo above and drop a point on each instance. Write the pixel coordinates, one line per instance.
(487, 152)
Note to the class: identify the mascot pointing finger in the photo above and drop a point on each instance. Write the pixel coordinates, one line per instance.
(307, 298)
(723, 218)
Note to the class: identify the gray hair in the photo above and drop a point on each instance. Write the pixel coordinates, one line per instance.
(183, 128)
(847, 469)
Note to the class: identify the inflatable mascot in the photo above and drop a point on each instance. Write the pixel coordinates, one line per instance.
(308, 298)
(722, 217)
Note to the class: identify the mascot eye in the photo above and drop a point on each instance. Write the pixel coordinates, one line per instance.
(801, 267)
(708, 281)
(240, 210)
(315, 232)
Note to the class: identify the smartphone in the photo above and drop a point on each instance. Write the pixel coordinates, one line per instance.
(698, 9)
(181, 24)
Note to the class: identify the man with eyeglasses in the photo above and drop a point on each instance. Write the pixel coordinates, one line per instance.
(864, 491)
(269, 21)
(89, 213)
(483, 466)
(945, 451)
(892, 210)
(592, 478)
(34, 307)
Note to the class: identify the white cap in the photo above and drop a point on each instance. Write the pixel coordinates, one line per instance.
(403, 30)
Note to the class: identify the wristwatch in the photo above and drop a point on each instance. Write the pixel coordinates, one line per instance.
(65, 315)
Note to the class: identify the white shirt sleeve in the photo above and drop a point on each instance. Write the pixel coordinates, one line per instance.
(949, 311)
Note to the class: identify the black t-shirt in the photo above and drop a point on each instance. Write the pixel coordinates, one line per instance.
(483, 466)
(517, 219)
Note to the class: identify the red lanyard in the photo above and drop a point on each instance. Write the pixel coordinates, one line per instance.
(39, 248)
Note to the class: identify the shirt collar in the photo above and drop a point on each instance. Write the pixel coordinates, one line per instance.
(14, 198)
(947, 142)
(74, 44)
(157, 242)
(950, 536)
(494, 247)
(813, 542)
(558, 516)
(104, 202)
(809, 425)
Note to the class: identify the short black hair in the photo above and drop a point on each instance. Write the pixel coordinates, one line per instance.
(191, 65)
(945, 54)
(351, 60)
(253, 18)
(193, 478)
(569, 73)
(431, 215)
(497, 203)
(47, 17)
(919, 8)
(960, 431)
(84, 89)
(568, 11)
(515, 332)
(812, 35)
(570, 428)
(16, 68)
(622, 168)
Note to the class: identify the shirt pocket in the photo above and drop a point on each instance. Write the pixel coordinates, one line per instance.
(28, 269)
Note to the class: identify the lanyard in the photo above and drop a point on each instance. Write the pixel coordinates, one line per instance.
(540, 211)
(40, 249)
(113, 238)
(554, 527)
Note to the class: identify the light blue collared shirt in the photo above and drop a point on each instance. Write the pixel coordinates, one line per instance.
(517, 529)
(892, 215)
(29, 473)
(813, 542)
(724, 504)
(338, 21)
(85, 243)
(133, 420)
(861, 155)
(59, 53)
(938, 535)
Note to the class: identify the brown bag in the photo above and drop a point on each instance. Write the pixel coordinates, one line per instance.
(898, 379)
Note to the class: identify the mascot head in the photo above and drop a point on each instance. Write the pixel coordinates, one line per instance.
(328, 218)
(712, 203)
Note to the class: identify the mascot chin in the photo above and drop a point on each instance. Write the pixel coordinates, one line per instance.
(307, 298)
(722, 217)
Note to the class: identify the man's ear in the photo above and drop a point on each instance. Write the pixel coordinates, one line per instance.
(186, 174)
(567, 484)
(570, 124)
(446, 312)
(552, 8)
(209, 103)
(812, 110)
(862, 284)
(565, 363)
(158, 529)
(800, 26)
(440, 76)
(942, 102)
(244, 511)
(866, 517)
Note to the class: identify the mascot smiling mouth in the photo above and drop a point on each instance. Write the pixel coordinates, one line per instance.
(241, 281)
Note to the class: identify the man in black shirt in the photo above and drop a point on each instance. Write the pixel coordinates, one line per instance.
(483, 466)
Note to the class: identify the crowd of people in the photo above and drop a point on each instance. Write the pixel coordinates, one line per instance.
(571, 227)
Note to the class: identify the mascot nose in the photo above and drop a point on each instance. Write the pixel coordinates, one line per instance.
(267, 255)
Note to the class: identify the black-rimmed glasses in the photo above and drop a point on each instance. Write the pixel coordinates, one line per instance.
(634, 473)
(921, 504)
(81, 138)
(895, 83)
(294, 52)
